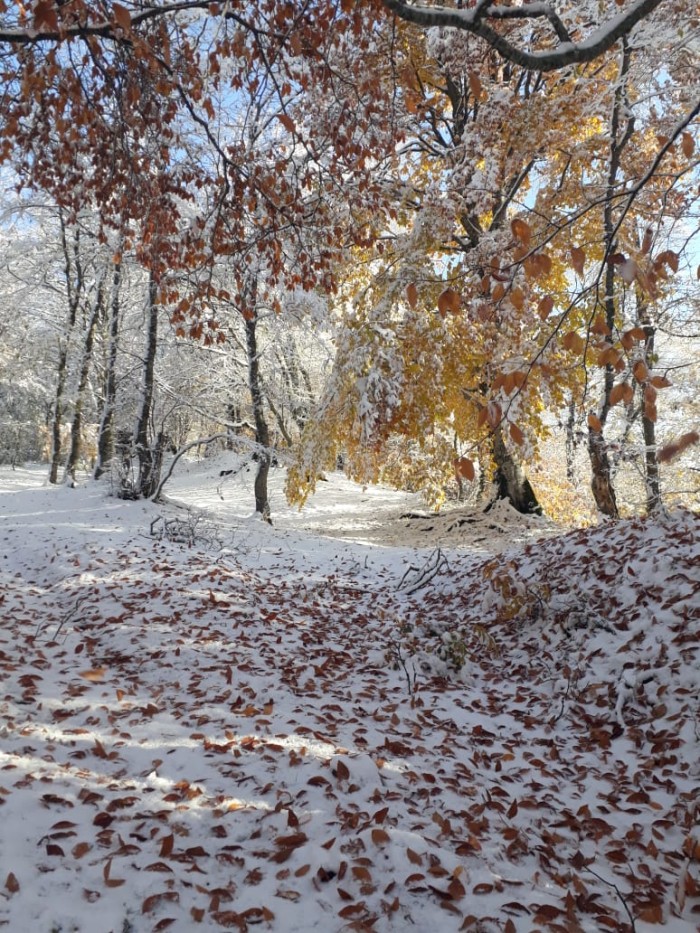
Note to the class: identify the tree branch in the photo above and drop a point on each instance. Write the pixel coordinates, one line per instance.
(475, 20)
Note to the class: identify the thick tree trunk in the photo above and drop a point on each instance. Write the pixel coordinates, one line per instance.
(262, 433)
(601, 483)
(510, 479)
(105, 441)
(149, 458)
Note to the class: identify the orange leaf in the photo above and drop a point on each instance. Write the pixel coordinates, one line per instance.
(573, 341)
(122, 17)
(660, 382)
(476, 86)
(578, 259)
(96, 674)
(517, 298)
(669, 258)
(286, 122)
(545, 306)
(449, 300)
(640, 371)
(166, 846)
(380, 837)
(521, 231)
(516, 434)
(11, 884)
(687, 145)
(617, 394)
(594, 423)
(465, 467)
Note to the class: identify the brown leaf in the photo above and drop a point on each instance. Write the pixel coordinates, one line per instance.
(521, 231)
(465, 467)
(96, 674)
(516, 434)
(286, 122)
(122, 17)
(517, 298)
(11, 883)
(412, 295)
(166, 846)
(660, 382)
(450, 300)
(545, 306)
(687, 145)
(594, 423)
(380, 837)
(578, 259)
(640, 371)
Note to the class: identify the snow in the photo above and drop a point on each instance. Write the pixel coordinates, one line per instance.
(258, 726)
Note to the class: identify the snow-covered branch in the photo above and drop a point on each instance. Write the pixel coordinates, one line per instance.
(479, 18)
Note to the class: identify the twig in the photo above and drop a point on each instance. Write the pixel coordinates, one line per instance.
(617, 891)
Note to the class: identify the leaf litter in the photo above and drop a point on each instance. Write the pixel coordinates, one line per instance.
(270, 732)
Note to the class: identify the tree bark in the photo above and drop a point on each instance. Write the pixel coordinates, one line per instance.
(262, 433)
(149, 457)
(601, 469)
(73, 273)
(510, 479)
(77, 422)
(105, 442)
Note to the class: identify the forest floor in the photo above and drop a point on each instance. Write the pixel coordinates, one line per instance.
(361, 718)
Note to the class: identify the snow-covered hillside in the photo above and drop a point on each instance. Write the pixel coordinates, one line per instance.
(210, 723)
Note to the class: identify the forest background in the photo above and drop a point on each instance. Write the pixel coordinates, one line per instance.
(417, 241)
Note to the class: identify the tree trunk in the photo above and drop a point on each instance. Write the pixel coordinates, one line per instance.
(262, 433)
(105, 441)
(602, 476)
(73, 273)
(77, 423)
(149, 458)
(510, 479)
(651, 463)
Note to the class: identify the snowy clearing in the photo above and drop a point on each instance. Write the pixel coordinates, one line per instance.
(263, 726)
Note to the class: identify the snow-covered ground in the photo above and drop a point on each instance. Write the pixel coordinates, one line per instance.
(210, 723)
